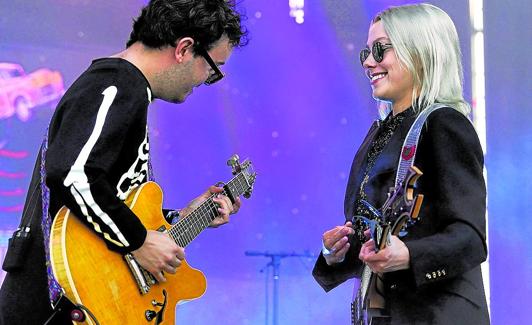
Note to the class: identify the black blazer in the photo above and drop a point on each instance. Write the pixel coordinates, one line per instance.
(448, 243)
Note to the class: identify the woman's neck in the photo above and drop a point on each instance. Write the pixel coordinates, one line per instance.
(396, 109)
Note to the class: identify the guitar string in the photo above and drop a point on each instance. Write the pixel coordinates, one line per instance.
(200, 218)
(187, 222)
(199, 221)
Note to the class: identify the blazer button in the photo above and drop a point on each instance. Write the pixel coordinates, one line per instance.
(443, 272)
(428, 276)
(393, 287)
(434, 275)
(439, 273)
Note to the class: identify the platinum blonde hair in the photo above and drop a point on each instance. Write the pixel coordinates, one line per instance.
(425, 41)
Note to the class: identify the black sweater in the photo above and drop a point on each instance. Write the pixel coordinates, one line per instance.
(98, 150)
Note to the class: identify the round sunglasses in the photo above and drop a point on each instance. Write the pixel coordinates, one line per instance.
(377, 50)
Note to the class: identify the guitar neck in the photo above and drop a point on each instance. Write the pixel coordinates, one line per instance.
(365, 280)
(190, 226)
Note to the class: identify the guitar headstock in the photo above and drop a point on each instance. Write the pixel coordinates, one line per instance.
(403, 205)
(245, 171)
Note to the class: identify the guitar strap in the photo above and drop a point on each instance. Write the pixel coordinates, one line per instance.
(409, 150)
(54, 289)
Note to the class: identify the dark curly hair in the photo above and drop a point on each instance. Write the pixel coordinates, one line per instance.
(163, 22)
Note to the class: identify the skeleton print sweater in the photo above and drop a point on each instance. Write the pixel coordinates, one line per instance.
(98, 150)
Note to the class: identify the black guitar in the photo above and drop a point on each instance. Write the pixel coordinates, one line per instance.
(402, 208)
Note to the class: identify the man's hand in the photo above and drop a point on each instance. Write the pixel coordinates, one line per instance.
(158, 254)
(392, 258)
(224, 205)
(336, 241)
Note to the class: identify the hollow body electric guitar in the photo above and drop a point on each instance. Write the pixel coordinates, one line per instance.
(402, 208)
(115, 288)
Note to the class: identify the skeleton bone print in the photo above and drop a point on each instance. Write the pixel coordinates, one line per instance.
(137, 173)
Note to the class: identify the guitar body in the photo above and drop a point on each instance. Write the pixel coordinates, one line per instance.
(102, 281)
(403, 206)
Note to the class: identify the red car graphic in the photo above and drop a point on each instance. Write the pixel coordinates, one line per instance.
(20, 92)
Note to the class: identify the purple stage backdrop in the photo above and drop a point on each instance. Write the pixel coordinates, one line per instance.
(296, 102)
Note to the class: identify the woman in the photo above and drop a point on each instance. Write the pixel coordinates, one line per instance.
(432, 274)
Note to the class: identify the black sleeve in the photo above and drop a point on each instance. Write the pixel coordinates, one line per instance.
(87, 138)
(452, 162)
(331, 276)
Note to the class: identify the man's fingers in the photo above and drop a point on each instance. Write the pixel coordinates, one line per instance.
(180, 254)
(175, 262)
(159, 276)
(225, 207)
(214, 189)
(169, 269)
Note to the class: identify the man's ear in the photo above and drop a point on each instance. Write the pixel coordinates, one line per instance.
(184, 49)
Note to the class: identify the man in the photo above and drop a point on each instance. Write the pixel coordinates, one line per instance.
(97, 149)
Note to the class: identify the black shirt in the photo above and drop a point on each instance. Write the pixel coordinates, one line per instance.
(98, 150)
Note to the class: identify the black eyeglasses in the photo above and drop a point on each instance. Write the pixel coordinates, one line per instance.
(217, 74)
(377, 50)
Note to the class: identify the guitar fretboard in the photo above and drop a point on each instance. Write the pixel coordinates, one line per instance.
(190, 226)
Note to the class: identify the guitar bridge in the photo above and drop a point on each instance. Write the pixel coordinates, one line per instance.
(143, 278)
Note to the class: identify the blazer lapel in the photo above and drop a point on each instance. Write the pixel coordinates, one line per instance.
(357, 169)
(382, 175)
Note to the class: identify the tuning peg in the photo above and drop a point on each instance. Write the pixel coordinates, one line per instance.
(247, 194)
(234, 160)
(235, 164)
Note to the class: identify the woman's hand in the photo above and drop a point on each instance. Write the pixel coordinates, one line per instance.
(392, 258)
(336, 243)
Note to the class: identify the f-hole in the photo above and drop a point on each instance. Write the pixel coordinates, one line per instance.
(160, 313)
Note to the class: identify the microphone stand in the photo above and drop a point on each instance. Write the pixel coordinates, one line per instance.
(275, 263)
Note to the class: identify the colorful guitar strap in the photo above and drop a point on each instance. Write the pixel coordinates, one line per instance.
(409, 150)
(54, 288)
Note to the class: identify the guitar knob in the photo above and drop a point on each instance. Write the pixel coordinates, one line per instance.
(150, 314)
(77, 315)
